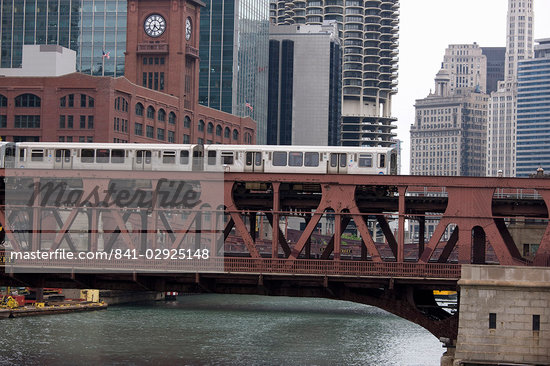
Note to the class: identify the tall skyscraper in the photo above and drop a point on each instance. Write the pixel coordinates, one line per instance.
(501, 129)
(533, 112)
(466, 65)
(448, 135)
(368, 31)
(234, 48)
(304, 85)
(495, 66)
(95, 29)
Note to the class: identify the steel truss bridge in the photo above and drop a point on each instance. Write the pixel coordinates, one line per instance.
(253, 251)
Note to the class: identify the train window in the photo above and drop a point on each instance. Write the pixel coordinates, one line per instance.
(87, 155)
(381, 160)
(343, 160)
(258, 159)
(249, 158)
(295, 159)
(168, 157)
(37, 155)
(333, 160)
(279, 158)
(140, 154)
(365, 161)
(212, 158)
(117, 156)
(311, 159)
(227, 157)
(184, 157)
(102, 156)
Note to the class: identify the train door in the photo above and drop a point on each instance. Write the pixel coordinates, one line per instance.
(338, 163)
(63, 159)
(9, 156)
(254, 162)
(198, 158)
(143, 160)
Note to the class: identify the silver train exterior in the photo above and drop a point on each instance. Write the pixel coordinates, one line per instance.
(172, 157)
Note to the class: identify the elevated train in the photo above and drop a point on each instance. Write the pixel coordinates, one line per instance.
(193, 157)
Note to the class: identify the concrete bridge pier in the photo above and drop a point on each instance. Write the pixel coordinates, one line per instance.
(504, 317)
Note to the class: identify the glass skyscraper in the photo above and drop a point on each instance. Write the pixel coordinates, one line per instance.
(89, 27)
(533, 112)
(234, 50)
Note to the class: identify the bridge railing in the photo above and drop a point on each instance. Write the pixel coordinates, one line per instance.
(246, 265)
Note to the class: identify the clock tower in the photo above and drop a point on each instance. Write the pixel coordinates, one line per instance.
(162, 47)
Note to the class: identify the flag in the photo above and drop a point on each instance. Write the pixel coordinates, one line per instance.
(106, 55)
(249, 106)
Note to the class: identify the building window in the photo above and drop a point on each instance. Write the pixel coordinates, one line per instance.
(162, 115)
(171, 136)
(187, 122)
(150, 112)
(218, 130)
(139, 109)
(70, 121)
(210, 128)
(81, 139)
(138, 129)
(69, 139)
(201, 125)
(144, 83)
(3, 121)
(536, 323)
(492, 321)
(161, 86)
(3, 101)
(29, 121)
(200, 141)
(71, 101)
(61, 121)
(90, 139)
(150, 132)
(227, 133)
(235, 135)
(90, 122)
(82, 105)
(61, 138)
(63, 103)
(160, 134)
(186, 139)
(91, 103)
(172, 118)
(82, 122)
(27, 101)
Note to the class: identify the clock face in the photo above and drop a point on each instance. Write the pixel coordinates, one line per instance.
(188, 29)
(154, 25)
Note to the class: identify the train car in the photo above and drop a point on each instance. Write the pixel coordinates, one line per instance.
(230, 158)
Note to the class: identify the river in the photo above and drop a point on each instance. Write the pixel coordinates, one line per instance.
(221, 330)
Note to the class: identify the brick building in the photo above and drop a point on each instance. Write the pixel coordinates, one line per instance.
(156, 101)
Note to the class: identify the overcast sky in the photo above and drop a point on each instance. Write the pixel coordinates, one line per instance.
(427, 27)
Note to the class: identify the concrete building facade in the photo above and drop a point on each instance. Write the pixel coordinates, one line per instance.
(504, 316)
(304, 85)
(501, 129)
(533, 112)
(44, 60)
(467, 66)
(448, 135)
(234, 47)
(368, 31)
